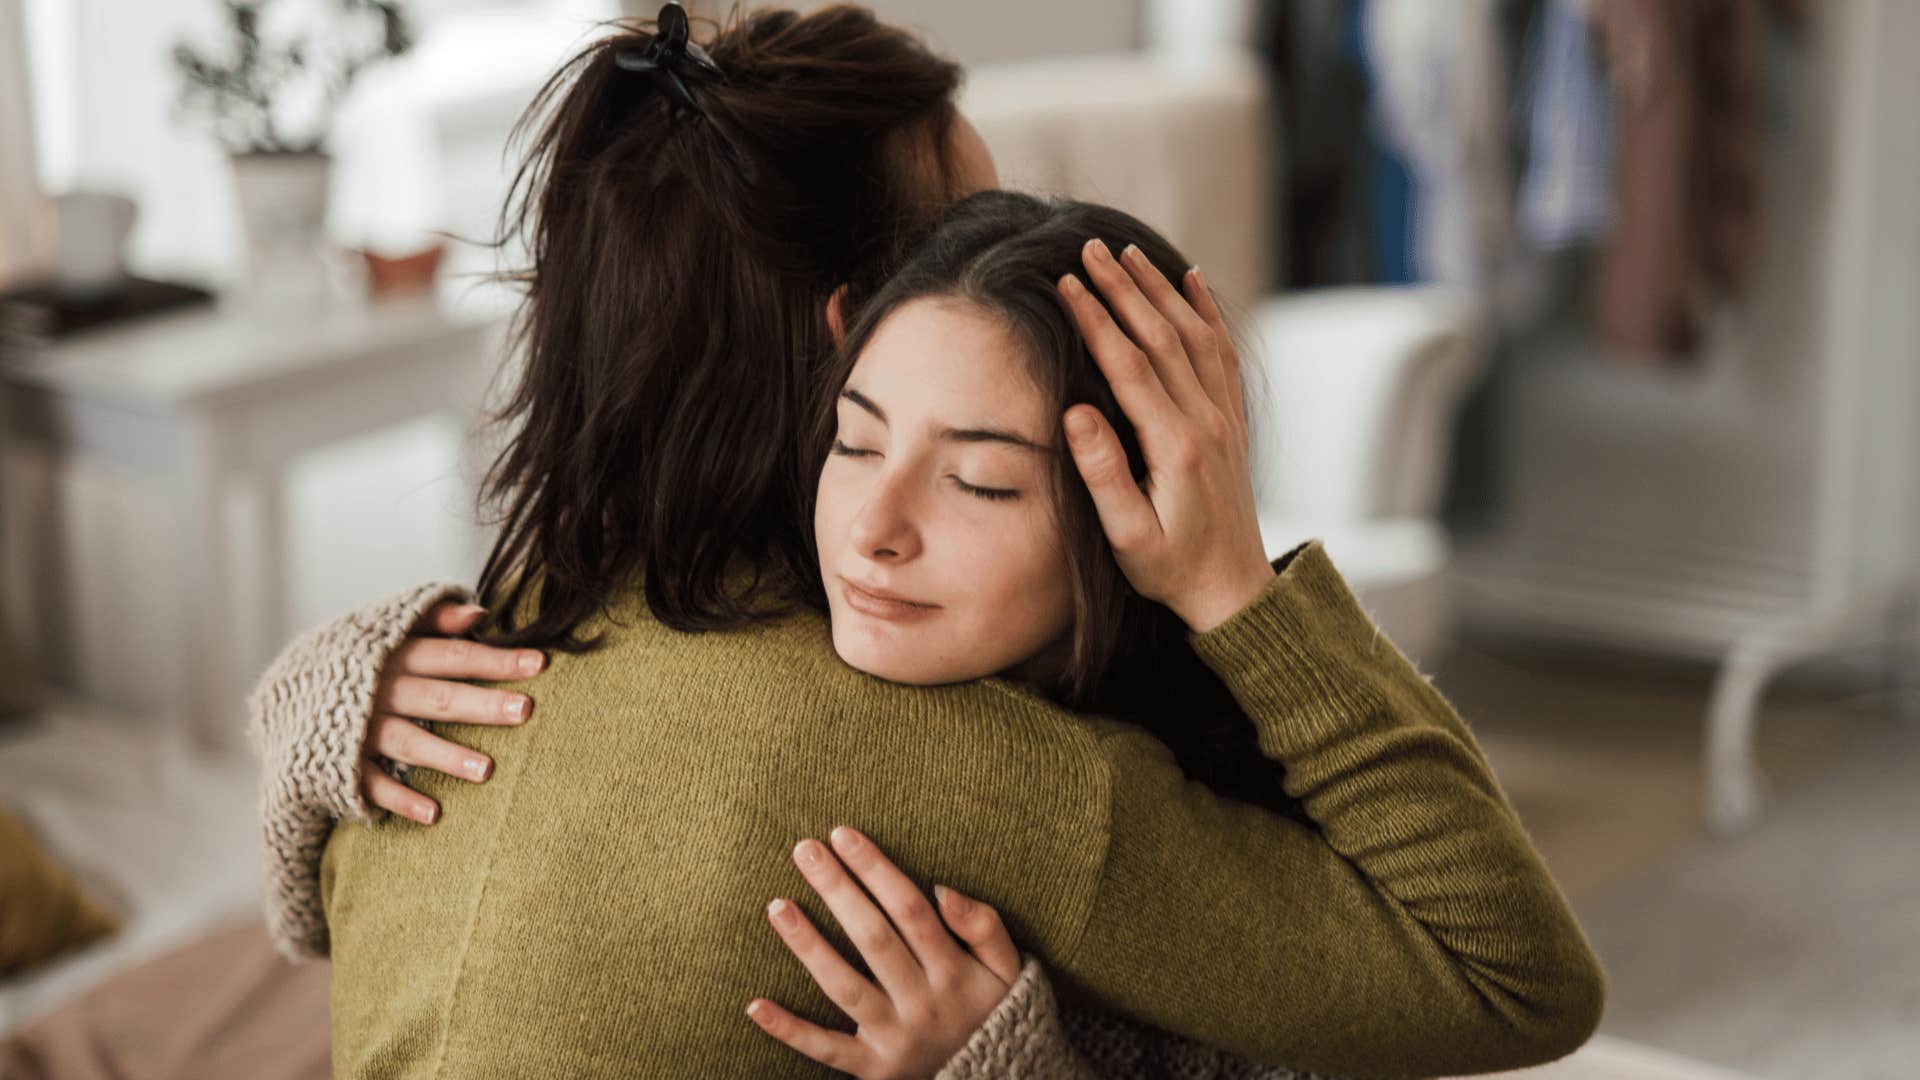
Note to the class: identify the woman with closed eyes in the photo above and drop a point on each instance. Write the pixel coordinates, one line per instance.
(1264, 832)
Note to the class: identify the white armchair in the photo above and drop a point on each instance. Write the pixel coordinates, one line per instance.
(1353, 394)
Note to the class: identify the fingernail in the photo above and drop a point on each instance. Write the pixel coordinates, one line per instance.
(808, 853)
(479, 768)
(1134, 254)
(753, 1008)
(516, 708)
(1071, 285)
(781, 911)
(844, 838)
(1079, 426)
(531, 662)
(426, 815)
(473, 610)
(952, 901)
(1098, 249)
(1198, 278)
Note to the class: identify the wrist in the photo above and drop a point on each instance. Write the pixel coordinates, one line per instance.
(1218, 605)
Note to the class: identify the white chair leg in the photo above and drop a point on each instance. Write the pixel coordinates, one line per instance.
(1733, 777)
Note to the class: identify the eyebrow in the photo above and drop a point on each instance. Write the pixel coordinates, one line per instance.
(962, 435)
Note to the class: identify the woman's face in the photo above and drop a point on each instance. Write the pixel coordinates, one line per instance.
(939, 546)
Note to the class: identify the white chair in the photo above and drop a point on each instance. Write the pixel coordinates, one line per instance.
(1353, 394)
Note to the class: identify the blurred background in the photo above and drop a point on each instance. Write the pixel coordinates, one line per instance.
(1585, 333)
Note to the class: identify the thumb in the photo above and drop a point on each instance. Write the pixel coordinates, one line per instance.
(1126, 514)
(980, 927)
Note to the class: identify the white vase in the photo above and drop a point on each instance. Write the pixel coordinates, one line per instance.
(283, 216)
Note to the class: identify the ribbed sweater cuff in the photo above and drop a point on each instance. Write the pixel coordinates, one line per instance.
(1300, 650)
(307, 719)
(1022, 1037)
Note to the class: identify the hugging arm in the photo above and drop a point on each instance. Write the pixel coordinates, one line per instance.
(1408, 925)
(335, 712)
(1411, 927)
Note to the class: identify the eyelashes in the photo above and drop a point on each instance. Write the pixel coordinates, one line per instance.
(847, 451)
(990, 494)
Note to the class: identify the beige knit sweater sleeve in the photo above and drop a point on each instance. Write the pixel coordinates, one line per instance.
(307, 719)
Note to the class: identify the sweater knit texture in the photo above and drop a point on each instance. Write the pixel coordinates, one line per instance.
(307, 719)
(595, 906)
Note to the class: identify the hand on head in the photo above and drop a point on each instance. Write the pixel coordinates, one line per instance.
(1190, 536)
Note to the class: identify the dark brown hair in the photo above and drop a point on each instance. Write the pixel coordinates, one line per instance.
(1130, 658)
(673, 323)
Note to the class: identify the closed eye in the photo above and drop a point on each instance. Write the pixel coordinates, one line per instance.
(993, 494)
(990, 494)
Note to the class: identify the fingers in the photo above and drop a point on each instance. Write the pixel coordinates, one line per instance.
(459, 658)
(912, 915)
(844, 986)
(1126, 513)
(439, 699)
(1201, 297)
(1148, 326)
(1197, 337)
(1135, 384)
(403, 740)
(390, 794)
(896, 968)
(980, 926)
(448, 619)
(834, 1049)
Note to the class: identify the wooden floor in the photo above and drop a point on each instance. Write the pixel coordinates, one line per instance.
(1792, 951)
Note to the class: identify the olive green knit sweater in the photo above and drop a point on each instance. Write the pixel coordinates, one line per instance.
(595, 908)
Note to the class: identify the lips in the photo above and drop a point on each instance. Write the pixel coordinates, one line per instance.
(883, 604)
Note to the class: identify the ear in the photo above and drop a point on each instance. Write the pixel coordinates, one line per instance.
(837, 315)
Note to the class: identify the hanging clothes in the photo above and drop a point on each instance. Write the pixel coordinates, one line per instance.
(1566, 192)
(1320, 144)
(1686, 74)
(1438, 106)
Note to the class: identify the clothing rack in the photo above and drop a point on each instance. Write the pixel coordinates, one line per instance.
(1764, 508)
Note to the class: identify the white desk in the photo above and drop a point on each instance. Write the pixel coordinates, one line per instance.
(211, 400)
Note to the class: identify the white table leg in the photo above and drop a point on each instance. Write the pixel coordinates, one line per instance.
(269, 604)
(212, 710)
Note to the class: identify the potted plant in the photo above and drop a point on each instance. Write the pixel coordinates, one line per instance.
(269, 96)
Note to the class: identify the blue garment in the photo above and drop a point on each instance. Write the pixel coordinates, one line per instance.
(1391, 182)
(1566, 195)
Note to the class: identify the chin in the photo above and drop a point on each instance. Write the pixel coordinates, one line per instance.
(889, 660)
(881, 663)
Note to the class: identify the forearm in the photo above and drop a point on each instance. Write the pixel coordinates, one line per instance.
(307, 719)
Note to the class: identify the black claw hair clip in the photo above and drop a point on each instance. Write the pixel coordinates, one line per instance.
(669, 58)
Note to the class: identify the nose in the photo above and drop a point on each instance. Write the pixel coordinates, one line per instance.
(884, 530)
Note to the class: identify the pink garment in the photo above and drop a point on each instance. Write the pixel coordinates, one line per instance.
(1688, 183)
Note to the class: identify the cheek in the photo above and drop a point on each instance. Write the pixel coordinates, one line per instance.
(1029, 568)
(829, 509)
